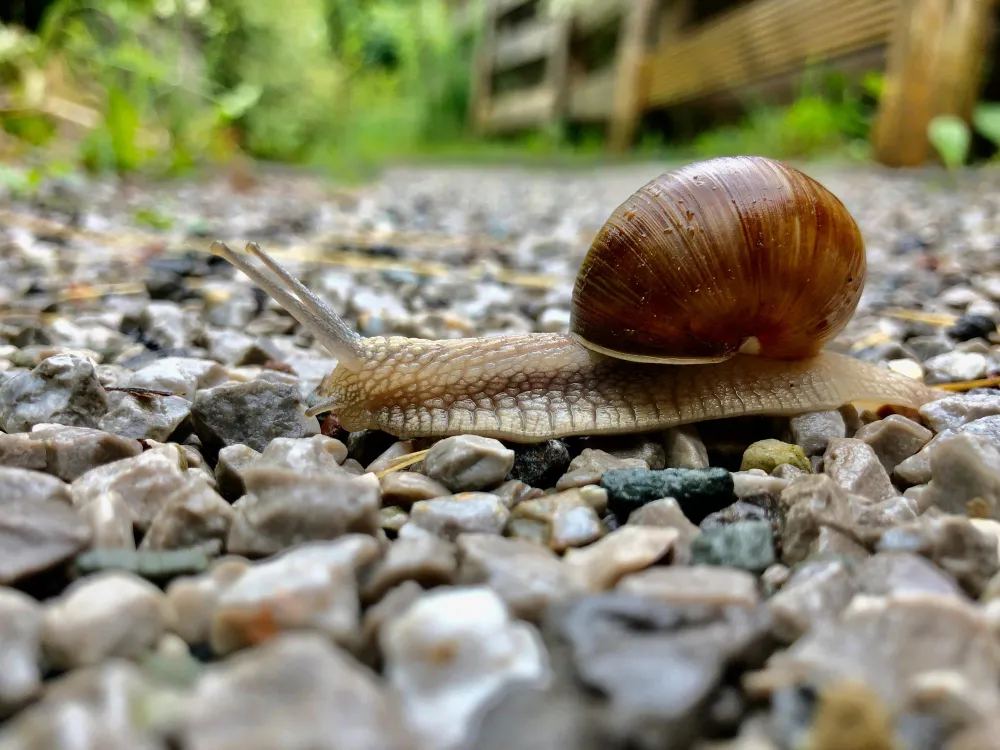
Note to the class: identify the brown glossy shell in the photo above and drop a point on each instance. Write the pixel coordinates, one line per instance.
(718, 256)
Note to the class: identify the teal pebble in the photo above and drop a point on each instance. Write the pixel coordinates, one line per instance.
(748, 545)
(699, 492)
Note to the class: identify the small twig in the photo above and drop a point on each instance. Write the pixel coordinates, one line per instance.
(968, 385)
(403, 462)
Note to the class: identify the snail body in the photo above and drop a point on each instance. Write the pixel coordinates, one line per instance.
(724, 315)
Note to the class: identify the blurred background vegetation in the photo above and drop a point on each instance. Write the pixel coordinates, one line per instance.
(163, 86)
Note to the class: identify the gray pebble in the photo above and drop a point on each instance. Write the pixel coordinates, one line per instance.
(889, 573)
(684, 448)
(812, 431)
(110, 521)
(318, 454)
(465, 512)
(20, 634)
(428, 560)
(102, 616)
(955, 367)
(917, 468)
(814, 594)
(625, 550)
(193, 598)
(558, 521)
(810, 504)
(698, 584)
(403, 488)
(748, 545)
(25, 486)
(61, 390)
(965, 468)
(233, 459)
(854, 465)
(282, 509)
(153, 565)
(958, 409)
(468, 463)
(192, 515)
(155, 418)
(894, 439)
(252, 413)
(181, 376)
(590, 465)
(65, 452)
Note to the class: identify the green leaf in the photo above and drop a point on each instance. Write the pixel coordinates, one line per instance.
(986, 119)
(951, 137)
(122, 122)
(234, 104)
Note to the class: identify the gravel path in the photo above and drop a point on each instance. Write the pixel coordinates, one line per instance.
(187, 561)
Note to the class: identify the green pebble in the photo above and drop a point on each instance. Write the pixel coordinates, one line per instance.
(701, 490)
(748, 545)
(152, 564)
(770, 454)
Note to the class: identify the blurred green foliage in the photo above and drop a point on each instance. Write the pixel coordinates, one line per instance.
(951, 136)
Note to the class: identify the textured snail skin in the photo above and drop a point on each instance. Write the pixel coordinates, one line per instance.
(533, 387)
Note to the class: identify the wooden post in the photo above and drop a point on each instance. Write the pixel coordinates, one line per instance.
(629, 74)
(934, 68)
(480, 93)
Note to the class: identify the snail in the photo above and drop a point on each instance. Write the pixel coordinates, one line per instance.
(711, 292)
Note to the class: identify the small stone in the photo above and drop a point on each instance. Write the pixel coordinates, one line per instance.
(181, 376)
(282, 509)
(298, 691)
(365, 446)
(233, 459)
(314, 455)
(540, 464)
(851, 715)
(559, 521)
(143, 482)
(515, 491)
(465, 512)
(815, 593)
(392, 519)
(894, 439)
(627, 549)
(63, 389)
(902, 573)
(768, 454)
(969, 327)
(385, 460)
(468, 463)
(428, 560)
(24, 486)
(252, 413)
(684, 448)
(789, 472)
(812, 433)
(964, 468)
(666, 513)
(699, 584)
(810, 504)
(953, 544)
(193, 598)
(553, 320)
(527, 576)
(393, 604)
(958, 409)
(756, 484)
(853, 465)
(404, 488)
(155, 418)
(193, 514)
(65, 452)
(625, 447)
(748, 545)
(153, 565)
(917, 469)
(697, 491)
(312, 587)
(758, 509)
(110, 521)
(20, 634)
(907, 367)
(955, 367)
(774, 578)
(451, 653)
(102, 616)
(589, 467)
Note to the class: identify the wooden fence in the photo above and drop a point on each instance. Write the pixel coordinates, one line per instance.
(527, 75)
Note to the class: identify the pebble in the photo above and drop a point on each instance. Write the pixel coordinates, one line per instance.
(452, 652)
(63, 389)
(64, 452)
(428, 560)
(854, 465)
(283, 508)
(193, 598)
(298, 691)
(154, 565)
(181, 376)
(314, 455)
(312, 587)
(903, 573)
(152, 418)
(917, 469)
(404, 488)
(465, 512)
(143, 482)
(194, 514)
(698, 584)
(384, 460)
(589, 467)
(747, 545)
(625, 550)
(252, 414)
(392, 518)
(697, 491)
(468, 463)
(684, 448)
(26, 486)
(527, 576)
(232, 460)
(953, 411)
(769, 454)
(965, 468)
(20, 634)
(641, 447)
(955, 367)
(894, 439)
(969, 327)
(814, 594)
(540, 464)
(110, 521)
(558, 521)
(667, 513)
(395, 602)
(102, 616)
(953, 543)
(754, 484)
(810, 504)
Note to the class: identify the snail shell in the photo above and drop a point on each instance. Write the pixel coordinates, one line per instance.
(722, 256)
